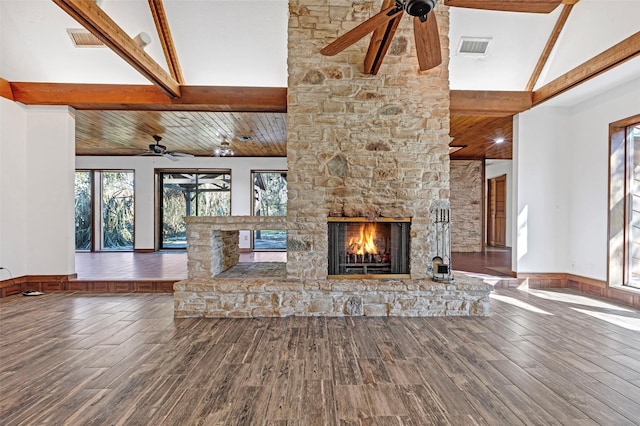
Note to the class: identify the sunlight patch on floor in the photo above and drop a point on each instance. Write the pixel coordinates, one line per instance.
(630, 323)
(519, 303)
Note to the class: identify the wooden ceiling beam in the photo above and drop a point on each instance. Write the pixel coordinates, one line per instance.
(531, 6)
(227, 98)
(151, 98)
(548, 48)
(164, 32)
(489, 103)
(610, 58)
(90, 16)
(5, 89)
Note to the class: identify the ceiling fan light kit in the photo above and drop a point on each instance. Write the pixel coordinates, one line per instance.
(224, 150)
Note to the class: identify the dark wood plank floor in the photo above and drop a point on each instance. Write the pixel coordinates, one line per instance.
(541, 358)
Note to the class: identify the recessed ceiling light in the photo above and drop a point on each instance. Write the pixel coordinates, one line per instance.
(499, 140)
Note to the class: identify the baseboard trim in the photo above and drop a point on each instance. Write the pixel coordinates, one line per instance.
(590, 286)
(52, 283)
(544, 280)
(144, 250)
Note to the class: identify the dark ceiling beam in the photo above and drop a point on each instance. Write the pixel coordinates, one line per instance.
(164, 33)
(548, 48)
(5, 89)
(610, 58)
(91, 17)
(145, 97)
(489, 103)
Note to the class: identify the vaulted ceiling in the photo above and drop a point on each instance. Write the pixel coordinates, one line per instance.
(227, 60)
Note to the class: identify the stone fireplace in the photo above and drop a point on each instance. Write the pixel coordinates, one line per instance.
(358, 146)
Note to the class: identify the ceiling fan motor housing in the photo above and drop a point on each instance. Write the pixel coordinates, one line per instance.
(419, 7)
(157, 148)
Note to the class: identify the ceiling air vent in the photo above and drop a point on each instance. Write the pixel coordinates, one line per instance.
(83, 38)
(474, 46)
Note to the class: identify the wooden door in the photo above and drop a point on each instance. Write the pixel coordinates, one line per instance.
(497, 224)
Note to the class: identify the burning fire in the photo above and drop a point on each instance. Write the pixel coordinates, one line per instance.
(365, 244)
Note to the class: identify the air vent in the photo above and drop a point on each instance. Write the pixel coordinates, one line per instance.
(245, 138)
(474, 46)
(83, 38)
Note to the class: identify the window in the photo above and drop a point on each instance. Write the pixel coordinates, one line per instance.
(269, 199)
(190, 193)
(84, 216)
(624, 203)
(113, 227)
(633, 206)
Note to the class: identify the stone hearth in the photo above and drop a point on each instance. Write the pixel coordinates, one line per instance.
(218, 287)
(358, 145)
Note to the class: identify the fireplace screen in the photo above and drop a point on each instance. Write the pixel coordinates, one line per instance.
(368, 248)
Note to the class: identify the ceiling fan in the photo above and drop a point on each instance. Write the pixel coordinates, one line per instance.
(157, 150)
(425, 28)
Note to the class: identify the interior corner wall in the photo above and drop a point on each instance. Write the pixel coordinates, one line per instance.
(561, 175)
(543, 204)
(13, 189)
(499, 168)
(144, 169)
(36, 214)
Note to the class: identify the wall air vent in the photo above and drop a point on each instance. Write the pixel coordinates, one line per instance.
(474, 46)
(83, 38)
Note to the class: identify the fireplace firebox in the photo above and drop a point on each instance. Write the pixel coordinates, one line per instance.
(365, 248)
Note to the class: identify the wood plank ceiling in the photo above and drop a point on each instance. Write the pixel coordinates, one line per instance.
(100, 132)
(250, 134)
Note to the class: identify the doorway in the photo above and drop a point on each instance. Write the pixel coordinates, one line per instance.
(497, 214)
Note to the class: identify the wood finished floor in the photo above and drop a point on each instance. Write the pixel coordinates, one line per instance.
(542, 358)
(173, 265)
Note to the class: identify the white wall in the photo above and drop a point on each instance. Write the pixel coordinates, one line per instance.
(542, 207)
(144, 168)
(496, 168)
(13, 188)
(36, 222)
(561, 170)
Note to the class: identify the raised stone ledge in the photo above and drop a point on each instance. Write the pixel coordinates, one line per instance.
(239, 223)
(272, 297)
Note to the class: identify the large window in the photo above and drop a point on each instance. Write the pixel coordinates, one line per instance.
(633, 206)
(270, 199)
(190, 193)
(624, 203)
(84, 216)
(113, 227)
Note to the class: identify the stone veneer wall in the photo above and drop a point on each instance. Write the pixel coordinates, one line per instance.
(357, 144)
(466, 205)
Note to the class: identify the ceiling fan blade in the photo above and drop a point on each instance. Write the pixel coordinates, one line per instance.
(180, 154)
(379, 44)
(170, 157)
(357, 33)
(427, 42)
(531, 6)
